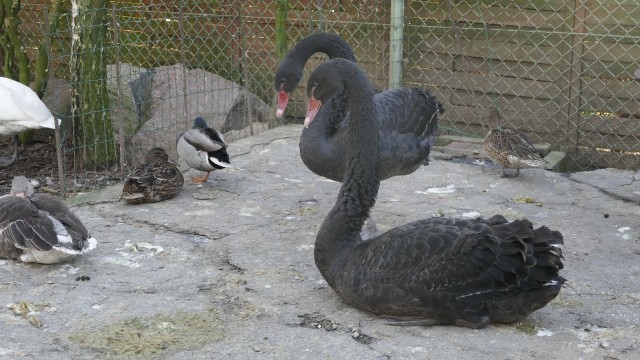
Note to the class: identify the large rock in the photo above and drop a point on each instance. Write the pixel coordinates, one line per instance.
(130, 101)
(224, 104)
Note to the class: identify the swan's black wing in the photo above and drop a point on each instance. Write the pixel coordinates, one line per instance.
(22, 225)
(407, 110)
(417, 267)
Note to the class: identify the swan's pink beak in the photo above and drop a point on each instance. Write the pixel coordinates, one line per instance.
(283, 99)
(313, 106)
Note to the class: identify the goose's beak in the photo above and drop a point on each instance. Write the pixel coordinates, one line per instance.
(313, 106)
(283, 99)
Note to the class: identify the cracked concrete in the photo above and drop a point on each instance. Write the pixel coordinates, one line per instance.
(232, 261)
(622, 184)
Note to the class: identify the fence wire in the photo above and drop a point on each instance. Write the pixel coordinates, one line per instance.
(564, 72)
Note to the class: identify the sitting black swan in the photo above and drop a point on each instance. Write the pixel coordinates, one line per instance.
(432, 271)
(407, 120)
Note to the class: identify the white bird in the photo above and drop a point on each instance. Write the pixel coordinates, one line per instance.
(40, 228)
(20, 109)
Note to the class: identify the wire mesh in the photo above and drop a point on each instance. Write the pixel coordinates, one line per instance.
(561, 71)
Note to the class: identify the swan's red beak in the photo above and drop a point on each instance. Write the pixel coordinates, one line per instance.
(313, 106)
(283, 99)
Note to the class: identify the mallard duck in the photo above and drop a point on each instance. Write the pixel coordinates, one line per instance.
(509, 148)
(155, 180)
(203, 148)
(39, 228)
(428, 272)
(21, 109)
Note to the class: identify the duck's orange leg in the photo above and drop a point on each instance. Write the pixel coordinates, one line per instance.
(202, 179)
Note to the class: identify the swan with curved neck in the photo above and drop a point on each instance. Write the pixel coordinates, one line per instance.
(407, 120)
(428, 272)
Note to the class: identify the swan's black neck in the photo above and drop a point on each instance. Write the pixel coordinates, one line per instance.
(341, 228)
(332, 45)
(293, 64)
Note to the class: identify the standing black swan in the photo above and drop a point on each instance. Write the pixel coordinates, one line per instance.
(407, 120)
(432, 271)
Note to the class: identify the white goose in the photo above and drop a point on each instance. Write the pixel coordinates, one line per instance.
(20, 109)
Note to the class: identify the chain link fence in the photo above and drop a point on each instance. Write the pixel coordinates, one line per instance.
(561, 71)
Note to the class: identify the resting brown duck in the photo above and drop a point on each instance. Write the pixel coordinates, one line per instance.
(155, 180)
(509, 148)
(427, 272)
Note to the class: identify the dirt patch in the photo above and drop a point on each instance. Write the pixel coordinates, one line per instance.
(148, 337)
(38, 161)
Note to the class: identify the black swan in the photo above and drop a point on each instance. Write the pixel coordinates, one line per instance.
(509, 148)
(407, 120)
(428, 272)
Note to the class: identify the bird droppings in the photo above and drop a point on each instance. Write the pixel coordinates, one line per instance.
(471, 214)
(151, 336)
(438, 190)
(317, 321)
(144, 246)
(28, 311)
(544, 332)
(527, 200)
(304, 211)
(439, 213)
(623, 232)
(358, 336)
(525, 328)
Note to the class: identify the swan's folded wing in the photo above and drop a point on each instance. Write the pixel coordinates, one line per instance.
(25, 226)
(444, 255)
(408, 111)
(402, 154)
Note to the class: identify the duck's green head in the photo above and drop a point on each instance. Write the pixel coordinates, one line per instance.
(199, 123)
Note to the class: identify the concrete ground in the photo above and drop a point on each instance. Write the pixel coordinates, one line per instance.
(226, 270)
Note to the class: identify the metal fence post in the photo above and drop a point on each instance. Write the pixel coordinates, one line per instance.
(57, 135)
(185, 106)
(573, 106)
(116, 44)
(395, 43)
